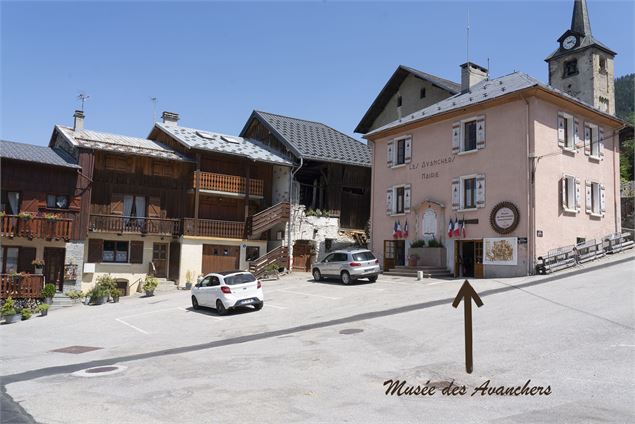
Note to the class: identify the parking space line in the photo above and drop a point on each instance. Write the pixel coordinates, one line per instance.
(131, 326)
(211, 316)
(309, 294)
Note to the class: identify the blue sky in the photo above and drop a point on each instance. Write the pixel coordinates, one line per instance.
(214, 62)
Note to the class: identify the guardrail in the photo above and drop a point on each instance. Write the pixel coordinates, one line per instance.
(278, 256)
(228, 183)
(213, 228)
(36, 227)
(131, 224)
(21, 286)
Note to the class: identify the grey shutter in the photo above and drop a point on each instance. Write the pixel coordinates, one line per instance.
(408, 150)
(480, 133)
(577, 195)
(563, 192)
(588, 207)
(602, 199)
(576, 138)
(456, 137)
(587, 140)
(389, 201)
(480, 191)
(406, 198)
(456, 193)
(601, 142)
(561, 123)
(390, 153)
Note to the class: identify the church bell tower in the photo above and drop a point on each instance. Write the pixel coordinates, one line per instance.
(582, 66)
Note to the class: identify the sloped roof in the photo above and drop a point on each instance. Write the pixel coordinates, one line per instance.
(120, 144)
(38, 154)
(480, 93)
(313, 140)
(221, 143)
(391, 88)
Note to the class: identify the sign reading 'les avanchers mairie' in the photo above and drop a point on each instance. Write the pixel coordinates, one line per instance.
(425, 164)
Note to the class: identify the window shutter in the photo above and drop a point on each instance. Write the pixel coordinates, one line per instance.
(576, 139)
(456, 193)
(456, 137)
(390, 153)
(602, 199)
(154, 207)
(136, 252)
(408, 150)
(116, 204)
(26, 255)
(601, 143)
(480, 191)
(561, 123)
(406, 198)
(563, 192)
(577, 195)
(587, 205)
(95, 250)
(480, 133)
(587, 140)
(389, 201)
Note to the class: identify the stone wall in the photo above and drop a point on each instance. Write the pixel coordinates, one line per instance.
(74, 256)
(319, 230)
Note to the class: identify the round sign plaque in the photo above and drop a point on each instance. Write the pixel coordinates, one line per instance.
(504, 217)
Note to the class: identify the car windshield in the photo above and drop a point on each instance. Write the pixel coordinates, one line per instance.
(239, 279)
(363, 256)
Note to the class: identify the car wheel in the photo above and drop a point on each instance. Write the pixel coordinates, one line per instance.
(372, 279)
(194, 302)
(346, 278)
(220, 308)
(317, 276)
(258, 306)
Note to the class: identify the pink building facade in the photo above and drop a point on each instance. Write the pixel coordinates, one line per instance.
(523, 169)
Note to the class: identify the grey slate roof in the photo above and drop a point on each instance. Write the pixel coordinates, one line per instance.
(391, 87)
(221, 143)
(482, 92)
(120, 144)
(314, 140)
(37, 154)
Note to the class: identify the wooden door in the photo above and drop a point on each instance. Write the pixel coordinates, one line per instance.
(174, 269)
(389, 254)
(54, 266)
(219, 258)
(302, 255)
(160, 259)
(478, 259)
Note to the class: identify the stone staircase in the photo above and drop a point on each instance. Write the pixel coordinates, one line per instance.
(60, 300)
(411, 271)
(166, 285)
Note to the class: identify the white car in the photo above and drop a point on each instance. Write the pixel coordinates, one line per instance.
(228, 290)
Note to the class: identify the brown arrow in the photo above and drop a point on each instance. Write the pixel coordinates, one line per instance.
(467, 293)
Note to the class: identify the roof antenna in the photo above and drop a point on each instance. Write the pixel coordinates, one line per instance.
(467, 39)
(488, 68)
(83, 97)
(154, 109)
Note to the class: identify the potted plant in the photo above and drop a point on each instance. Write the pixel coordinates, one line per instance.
(38, 264)
(108, 284)
(150, 284)
(9, 312)
(25, 216)
(48, 292)
(26, 313)
(116, 294)
(188, 280)
(271, 270)
(43, 309)
(74, 295)
(52, 217)
(413, 260)
(99, 295)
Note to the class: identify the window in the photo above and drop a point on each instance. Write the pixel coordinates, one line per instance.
(56, 202)
(115, 251)
(399, 101)
(329, 258)
(340, 257)
(252, 253)
(11, 202)
(595, 198)
(469, 193)
(566, 131)
(570, 68)
(569, 193)
(469, 136)
(592, 140)
(422, 93)
(401, 152)
(363, 256)
(399, 192)
(9, 259)
(602, 64)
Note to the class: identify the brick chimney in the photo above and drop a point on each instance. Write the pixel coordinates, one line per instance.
(471, 74)
(78, 122)
(170, 118)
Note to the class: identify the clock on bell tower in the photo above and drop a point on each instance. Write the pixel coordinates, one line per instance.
(582, 66)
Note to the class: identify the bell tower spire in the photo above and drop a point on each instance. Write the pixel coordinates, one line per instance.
(582, 66)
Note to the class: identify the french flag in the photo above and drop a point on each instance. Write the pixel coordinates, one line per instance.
(405, 230)
(394, 230)
(457, 228)
(399, 233)
(463, 231)
(450, 228)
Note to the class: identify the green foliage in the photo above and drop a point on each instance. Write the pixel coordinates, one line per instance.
(625, 97)
(150, 283)
(188, 276)
(75, 294)
(434, 243)
(42, 307)
(8, 308)
(26, 313)
(418, 243)
(48, 290)
(98, 292)
(273, 267)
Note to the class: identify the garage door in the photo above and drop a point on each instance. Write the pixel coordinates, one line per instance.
(218, 258)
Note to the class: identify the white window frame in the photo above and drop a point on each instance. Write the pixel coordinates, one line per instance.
(569, 142)
(596, 208)
(395, 154)
(462, 179)
(571, 201)
(462, 150)
(594, 145)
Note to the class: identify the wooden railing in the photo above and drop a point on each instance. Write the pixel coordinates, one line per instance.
(213, 228)
(229, 183)
(278, 256)
(267, 218)
(21, 287)
(36, 227)
(127, 224)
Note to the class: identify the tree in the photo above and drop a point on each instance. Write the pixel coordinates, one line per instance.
(625, 109)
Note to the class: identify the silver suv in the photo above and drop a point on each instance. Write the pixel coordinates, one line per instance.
(347, 265)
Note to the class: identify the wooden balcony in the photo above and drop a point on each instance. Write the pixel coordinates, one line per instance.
(133, 225)
(213, 228)
(21, 286)
(228, 184)
(36, 227)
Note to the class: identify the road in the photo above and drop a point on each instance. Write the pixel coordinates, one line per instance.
(321, 352)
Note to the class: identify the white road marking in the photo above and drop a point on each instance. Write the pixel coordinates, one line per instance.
(211, 316)
(438, 282)
(622, 345)
(131, 326)
(309, 294)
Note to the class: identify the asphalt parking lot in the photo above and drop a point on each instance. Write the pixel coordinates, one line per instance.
(320, 352)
